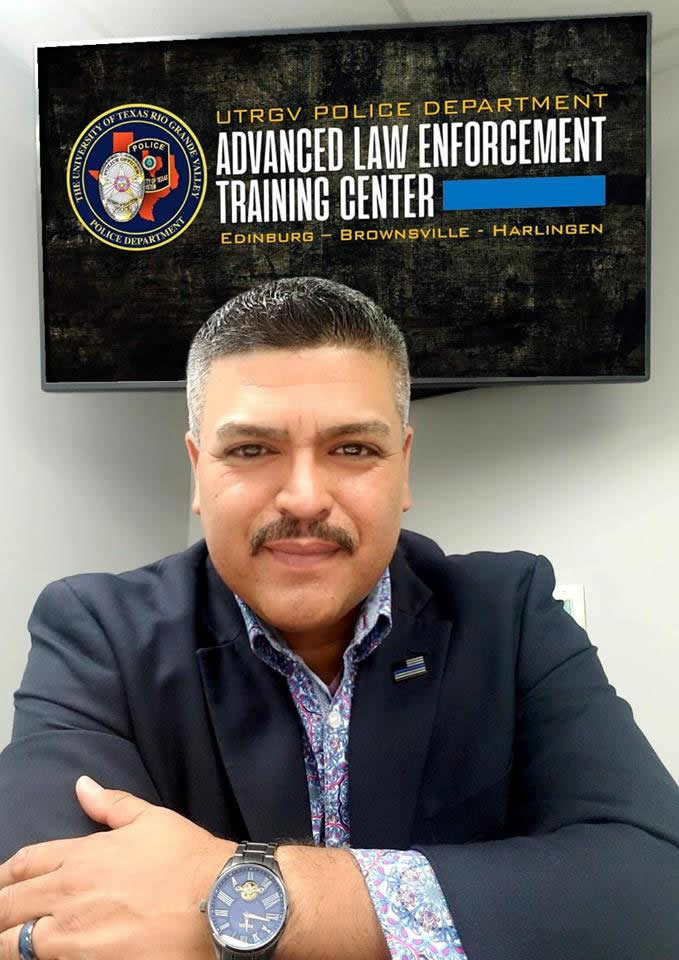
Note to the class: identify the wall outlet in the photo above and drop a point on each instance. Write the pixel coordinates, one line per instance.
(573, 596)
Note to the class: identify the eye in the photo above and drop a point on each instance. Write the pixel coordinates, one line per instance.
(247, 451)
(356, 450)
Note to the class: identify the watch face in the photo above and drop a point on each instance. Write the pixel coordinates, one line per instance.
(247, 907)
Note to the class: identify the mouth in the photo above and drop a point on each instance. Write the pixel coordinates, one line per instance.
(302, 553)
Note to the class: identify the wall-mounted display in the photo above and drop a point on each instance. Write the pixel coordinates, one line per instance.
(486, 184)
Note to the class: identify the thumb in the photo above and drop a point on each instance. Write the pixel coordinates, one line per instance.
(116, 808)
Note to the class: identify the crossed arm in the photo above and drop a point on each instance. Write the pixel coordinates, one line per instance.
(591, 868)
(135, 891)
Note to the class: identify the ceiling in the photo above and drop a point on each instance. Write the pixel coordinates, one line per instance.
(44, 21)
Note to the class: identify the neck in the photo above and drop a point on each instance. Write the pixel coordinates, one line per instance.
(323, 650)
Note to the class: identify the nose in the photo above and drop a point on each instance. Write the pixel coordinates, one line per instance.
(305, 492)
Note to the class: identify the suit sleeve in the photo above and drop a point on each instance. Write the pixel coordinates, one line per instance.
(591, 866)
(70, 718)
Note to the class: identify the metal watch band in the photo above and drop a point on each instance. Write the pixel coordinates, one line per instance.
(251, 852)
(224, 954)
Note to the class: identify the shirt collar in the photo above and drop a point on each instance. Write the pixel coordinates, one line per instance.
(373, 623)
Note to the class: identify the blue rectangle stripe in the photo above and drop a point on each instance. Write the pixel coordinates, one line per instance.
(407, 674)
(512, 192)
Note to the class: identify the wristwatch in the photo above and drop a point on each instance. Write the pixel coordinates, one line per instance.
(248, 905)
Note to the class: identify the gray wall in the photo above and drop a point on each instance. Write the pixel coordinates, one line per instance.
(586, 475)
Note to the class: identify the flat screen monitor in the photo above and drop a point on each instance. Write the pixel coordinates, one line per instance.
(485, 183)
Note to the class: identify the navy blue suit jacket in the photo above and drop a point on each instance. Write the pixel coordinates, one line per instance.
(552, 826)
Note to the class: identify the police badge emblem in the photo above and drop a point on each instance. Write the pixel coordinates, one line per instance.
(136, 177)
(154, 156)
(121, 186)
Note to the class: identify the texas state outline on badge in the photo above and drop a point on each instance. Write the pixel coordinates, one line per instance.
(136, 177)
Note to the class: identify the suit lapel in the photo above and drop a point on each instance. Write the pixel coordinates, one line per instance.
(391, 721)
(255, 724)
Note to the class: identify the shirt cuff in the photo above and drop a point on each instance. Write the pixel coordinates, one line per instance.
(410, 905)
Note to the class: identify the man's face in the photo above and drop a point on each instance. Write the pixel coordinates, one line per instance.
(301, 450)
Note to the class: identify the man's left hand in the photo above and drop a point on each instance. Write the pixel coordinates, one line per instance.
(133, 891)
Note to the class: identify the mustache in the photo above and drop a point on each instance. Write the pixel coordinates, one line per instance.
(289, 528)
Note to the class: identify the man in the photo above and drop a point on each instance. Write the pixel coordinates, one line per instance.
(431, 741)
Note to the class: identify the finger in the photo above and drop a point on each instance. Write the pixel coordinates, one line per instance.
(24, 901)
(41, 941)
(115, 808)
(34, 861)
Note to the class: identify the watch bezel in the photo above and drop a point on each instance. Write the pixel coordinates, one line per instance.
(230, 943)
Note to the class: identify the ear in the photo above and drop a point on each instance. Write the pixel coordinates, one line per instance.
(407, 450)
(193, 452)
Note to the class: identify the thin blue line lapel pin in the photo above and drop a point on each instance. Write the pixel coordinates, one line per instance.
(407, 669)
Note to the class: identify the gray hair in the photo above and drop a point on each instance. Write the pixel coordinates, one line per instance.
(294, 312)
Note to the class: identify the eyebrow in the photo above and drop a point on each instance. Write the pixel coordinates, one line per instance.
(235, 428)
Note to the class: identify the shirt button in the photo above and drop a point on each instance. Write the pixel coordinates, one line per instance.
(334, 719)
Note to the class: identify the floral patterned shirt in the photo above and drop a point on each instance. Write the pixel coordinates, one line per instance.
(408, 900)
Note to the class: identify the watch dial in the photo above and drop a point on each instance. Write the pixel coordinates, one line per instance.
(247, 907)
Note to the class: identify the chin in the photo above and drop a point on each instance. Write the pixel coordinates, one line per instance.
(304, 612)
(293, 621)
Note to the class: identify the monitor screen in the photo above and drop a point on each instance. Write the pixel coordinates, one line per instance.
(485, 183)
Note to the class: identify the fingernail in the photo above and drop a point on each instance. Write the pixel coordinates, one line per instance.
(89, 784)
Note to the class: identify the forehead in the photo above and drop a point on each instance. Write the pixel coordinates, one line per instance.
(326, 382)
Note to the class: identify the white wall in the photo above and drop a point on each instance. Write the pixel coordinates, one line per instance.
(586, 475)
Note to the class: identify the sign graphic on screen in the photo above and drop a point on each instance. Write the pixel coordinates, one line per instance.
(485, 183)
(123, 163)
